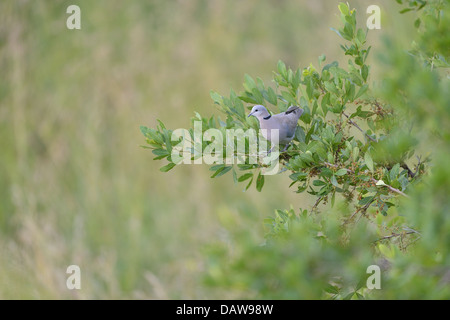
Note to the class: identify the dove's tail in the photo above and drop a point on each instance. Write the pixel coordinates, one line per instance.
(291, 109)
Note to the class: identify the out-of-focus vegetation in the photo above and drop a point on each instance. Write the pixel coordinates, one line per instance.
(76, 187)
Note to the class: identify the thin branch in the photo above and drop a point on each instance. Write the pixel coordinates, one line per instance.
(393, 235)
(359, 128)
(391, 188)
(364, 209)
(419, 162)
(360, 209)
(317, 203)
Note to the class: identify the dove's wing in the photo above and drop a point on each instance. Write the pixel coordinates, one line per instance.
(285, 122)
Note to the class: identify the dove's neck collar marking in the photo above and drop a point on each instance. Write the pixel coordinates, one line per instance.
(268, 117)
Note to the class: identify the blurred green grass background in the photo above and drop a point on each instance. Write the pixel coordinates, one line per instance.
(76, 188)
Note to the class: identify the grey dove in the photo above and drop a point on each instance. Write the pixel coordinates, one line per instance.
(285, 122)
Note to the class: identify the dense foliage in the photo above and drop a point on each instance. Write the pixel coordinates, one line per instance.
(378, 200)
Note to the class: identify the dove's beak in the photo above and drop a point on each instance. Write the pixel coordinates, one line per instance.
(250, 114)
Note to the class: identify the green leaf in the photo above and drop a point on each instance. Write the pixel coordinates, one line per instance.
(259, 182)
(248, 185)
(348, 31)
(325, 103)
(248, 98)
(394, 172)
(359, 61)
(217, 98)
(272, 97)
(282, 68)
(167, 167)
(361, 91)
(343, 8)
(365, 201)
(331, 289)
(221, 171)
(298, 176)
(245, 177)
(159, 157)
(161, 124)
(361, 283)
(326, 172)
(365, 72)
(258, 96)
(244, 166)
(355, 153)
(350, 91)
(300, 134)
(368, 161)
(360, 296)
(260, 84)
(361, 36)
(341, 172)
(371, 124)
(405, 10)
(238, 105)
(417, 23)
(330, 86)
(319, 183)
(160, 152)
(309, 89)
(387, 251)
(296, 79)
(216, 167)
(289, 97)
(334, 181)
(322, 58)
(152, 134)
(349, 296)
(144, 130)
(249, 83)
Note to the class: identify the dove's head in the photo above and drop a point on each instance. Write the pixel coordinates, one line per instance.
(259, 112)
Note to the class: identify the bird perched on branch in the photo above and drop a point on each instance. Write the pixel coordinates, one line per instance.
(285, 123)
